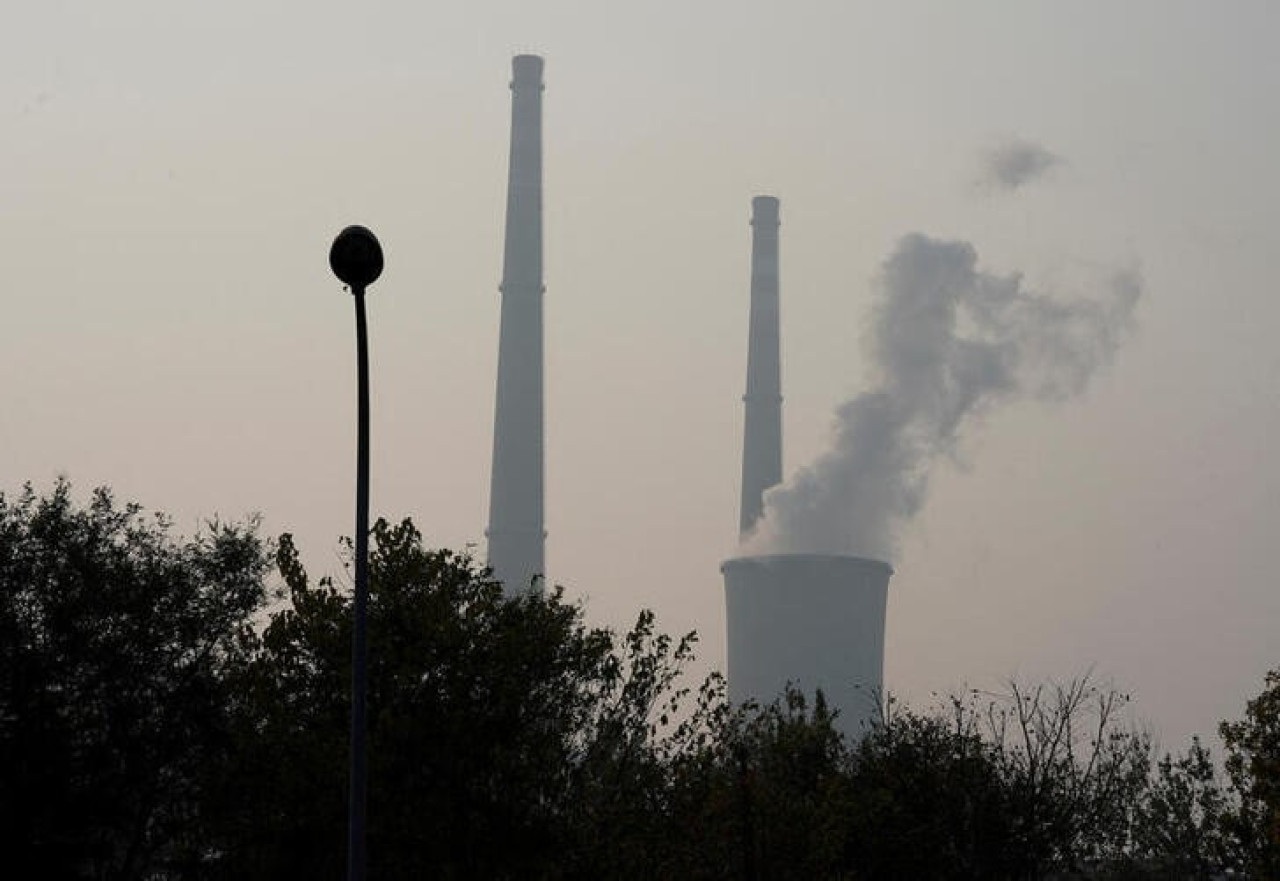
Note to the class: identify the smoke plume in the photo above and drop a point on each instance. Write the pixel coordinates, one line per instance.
(948, 342)
(1017, 162)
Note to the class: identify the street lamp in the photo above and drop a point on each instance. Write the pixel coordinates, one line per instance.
(356, 258)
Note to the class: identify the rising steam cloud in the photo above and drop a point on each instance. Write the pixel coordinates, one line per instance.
(948, 341)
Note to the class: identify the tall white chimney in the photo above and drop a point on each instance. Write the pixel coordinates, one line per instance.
(516, 533)
(762, 429)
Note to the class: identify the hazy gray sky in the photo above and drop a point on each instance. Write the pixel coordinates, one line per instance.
(172, 174)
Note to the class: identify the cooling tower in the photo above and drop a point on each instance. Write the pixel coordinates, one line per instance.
(762, 421)
(813, 620)
(516, 533)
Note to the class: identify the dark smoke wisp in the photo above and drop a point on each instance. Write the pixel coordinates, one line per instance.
(1015, 163)
(948, 342)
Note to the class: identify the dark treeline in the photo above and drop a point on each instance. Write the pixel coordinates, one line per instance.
(178, 708)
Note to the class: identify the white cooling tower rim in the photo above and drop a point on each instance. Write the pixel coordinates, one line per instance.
(774, 559)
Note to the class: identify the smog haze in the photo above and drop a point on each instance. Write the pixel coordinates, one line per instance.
(172, 178)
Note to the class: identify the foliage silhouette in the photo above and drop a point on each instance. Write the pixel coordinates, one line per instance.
(164, 715)
(1253, 766)
(507, 738)
(115, 641)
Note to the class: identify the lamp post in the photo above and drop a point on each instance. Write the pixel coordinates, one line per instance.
(356, 259)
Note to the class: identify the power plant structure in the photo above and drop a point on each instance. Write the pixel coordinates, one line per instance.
(762, 430)
(815, 621)
(516, 533)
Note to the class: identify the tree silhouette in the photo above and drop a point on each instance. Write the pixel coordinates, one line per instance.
(1253, 765)
(158, 719)
(507, 738)
(114, 643)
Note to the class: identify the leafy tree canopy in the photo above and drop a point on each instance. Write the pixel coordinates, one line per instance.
(164, 715)
(507, 738)
(1253, 765)
(115, 640)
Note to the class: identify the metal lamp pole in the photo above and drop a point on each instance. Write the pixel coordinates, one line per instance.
(356, 258)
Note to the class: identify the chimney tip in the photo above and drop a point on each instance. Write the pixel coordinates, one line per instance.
(764, 209)
(527, 70)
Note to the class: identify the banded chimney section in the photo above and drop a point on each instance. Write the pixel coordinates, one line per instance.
(762, 429)
(516, 533)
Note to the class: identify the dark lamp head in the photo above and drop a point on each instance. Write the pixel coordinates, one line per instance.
(356, 257)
